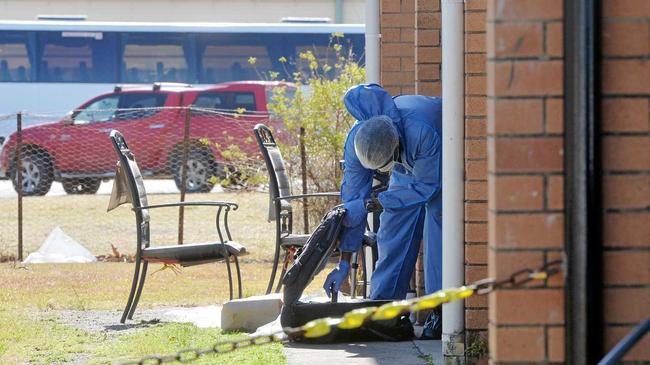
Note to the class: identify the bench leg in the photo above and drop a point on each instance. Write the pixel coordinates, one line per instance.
(136, 277)
(239, 283)
(229, 273)
(288, 255)
(353, 275)
(276, 263)
(279, 286)
(143, 276)
(363, 273)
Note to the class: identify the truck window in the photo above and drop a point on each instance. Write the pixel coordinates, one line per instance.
(210, 101)
(101, 110)
(140, 105)
(226, 101)
(244, 100)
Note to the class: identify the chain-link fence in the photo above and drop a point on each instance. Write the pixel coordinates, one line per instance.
(57, 169)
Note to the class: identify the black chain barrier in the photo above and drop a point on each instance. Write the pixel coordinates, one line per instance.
(356, 318)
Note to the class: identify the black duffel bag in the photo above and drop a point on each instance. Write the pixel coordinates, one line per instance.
(311, 259)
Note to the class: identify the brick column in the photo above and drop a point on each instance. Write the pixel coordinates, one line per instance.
(476, 317)
(525, 166)
(626, 160)
(397, 50)
(427, 60)
(428, 56)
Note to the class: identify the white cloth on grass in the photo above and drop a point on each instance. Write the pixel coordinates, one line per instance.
(60, 248)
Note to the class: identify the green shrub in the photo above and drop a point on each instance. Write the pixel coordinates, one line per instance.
(315, 120)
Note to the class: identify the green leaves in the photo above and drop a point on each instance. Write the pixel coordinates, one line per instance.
(317, 107)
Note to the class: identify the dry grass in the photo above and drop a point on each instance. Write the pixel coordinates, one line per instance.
(106, 285)
(85, 219)
(30, 296)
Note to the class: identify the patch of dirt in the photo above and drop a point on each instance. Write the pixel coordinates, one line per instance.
(107, 322)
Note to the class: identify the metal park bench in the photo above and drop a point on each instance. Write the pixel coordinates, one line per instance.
(129, 187)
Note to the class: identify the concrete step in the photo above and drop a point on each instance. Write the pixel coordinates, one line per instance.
(248, 314)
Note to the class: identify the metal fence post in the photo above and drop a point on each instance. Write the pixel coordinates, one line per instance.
(19, 180)
(303, 169)
(186, 147)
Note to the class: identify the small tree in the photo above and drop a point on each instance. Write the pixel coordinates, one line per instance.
(315, 120)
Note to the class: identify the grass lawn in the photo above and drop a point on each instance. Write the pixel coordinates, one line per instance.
(84, 218)
(161, 339)
(32, 298)
(46, 341)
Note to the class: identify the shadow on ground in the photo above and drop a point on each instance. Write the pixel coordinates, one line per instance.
(366, 353)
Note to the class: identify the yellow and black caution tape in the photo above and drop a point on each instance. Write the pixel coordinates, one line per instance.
(356, 318)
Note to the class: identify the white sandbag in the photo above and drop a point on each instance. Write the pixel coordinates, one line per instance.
(248, 314)
(60, 248)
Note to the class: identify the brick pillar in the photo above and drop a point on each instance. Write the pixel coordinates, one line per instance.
(427, 60)
(397, 46)
(476, 317)
(525, 167)
(626, 180)
(428, 56)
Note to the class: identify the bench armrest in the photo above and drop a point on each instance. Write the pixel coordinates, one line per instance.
(219, 222)
(312, 195)
(232, 205)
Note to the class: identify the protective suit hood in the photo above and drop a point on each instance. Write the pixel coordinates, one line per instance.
(368, 100)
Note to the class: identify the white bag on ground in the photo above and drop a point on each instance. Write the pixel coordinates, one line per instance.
(60, 248)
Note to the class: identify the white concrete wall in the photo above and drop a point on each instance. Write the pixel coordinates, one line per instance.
(177, 11)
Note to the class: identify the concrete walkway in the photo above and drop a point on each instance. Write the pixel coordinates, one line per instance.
(366, 353)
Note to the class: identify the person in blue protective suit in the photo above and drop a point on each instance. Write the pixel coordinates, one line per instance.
(401, 135)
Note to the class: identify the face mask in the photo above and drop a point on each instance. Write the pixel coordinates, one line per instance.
(387, 167)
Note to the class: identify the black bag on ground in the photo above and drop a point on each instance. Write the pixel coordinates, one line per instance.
(311, 260)
(297, 314)
(313, 256)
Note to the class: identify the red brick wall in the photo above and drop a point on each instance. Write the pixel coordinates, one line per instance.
(517, 102)
(397, 25)
(626, 181)
(525, 164)
(411, 63)
(526, 179)
(476, 235)
(427, 72)
(428, 57)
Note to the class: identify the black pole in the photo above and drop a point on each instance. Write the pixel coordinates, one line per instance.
(583, 186)
(303, 172)
(19, 180)
(186, 152)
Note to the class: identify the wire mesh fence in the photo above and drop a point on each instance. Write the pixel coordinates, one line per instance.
(57, 170)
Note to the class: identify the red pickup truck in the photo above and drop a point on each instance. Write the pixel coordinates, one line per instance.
(77, 152)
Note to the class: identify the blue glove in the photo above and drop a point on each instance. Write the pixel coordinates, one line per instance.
(336, 277)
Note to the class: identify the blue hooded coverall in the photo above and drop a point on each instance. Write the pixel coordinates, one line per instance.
(413, 202)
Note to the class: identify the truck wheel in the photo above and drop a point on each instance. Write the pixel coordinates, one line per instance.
(84, 185)
(201, 172)
(37, 174)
